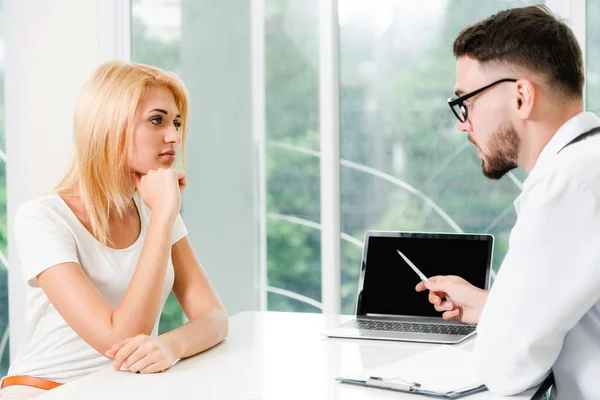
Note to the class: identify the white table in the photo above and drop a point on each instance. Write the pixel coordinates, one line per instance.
(267, 355)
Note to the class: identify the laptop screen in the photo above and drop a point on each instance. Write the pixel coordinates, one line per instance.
(387, 283)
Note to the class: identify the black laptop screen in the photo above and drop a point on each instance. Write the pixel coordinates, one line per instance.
(387, 284)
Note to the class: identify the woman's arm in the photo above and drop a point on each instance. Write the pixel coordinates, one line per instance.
(89, 314)
(82, 306)
(207, 326)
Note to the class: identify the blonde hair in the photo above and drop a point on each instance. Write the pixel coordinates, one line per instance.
(102, 128)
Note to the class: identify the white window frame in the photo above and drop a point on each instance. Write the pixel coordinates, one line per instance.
(574, 14)
(259, 139)
(114, 30)
(329, 120)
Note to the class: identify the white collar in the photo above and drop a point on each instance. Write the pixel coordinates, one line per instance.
(575, 126)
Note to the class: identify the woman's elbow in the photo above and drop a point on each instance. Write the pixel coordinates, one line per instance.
(223, 323)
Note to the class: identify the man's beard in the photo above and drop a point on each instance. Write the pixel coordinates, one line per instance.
(503, 153)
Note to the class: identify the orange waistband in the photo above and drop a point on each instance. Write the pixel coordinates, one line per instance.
(29, 381)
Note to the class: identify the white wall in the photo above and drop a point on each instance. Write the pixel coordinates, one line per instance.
(52, 47)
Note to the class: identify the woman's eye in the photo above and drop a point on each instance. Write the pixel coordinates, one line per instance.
(156, 120)
(177, 124)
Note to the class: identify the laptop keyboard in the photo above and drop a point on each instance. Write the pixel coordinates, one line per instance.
(411, 327)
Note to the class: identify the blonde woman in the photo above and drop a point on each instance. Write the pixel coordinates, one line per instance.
(102, 252)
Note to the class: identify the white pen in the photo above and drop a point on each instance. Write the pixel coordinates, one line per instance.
(414, 267)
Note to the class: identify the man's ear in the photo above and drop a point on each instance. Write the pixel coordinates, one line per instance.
(525, 98)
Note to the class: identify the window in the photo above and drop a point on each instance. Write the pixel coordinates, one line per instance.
(292, 135)
(403, 165)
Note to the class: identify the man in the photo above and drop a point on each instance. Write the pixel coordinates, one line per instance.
(519, 82)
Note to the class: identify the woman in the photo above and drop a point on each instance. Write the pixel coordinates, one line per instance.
(102, 253)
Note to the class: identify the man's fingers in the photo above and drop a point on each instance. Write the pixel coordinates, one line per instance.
(434, 285)
(445, 306)
(420, 287)
(440, 287)
(448, 315)
(435, 298)
(448, 305)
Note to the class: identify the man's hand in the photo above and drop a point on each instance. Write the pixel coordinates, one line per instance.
(456, 298)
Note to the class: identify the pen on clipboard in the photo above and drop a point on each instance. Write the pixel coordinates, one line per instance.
(414, 267)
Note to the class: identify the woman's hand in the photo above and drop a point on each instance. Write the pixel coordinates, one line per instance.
(144, 354)
(161, 190)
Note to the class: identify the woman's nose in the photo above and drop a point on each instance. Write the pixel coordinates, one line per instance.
(173, 136)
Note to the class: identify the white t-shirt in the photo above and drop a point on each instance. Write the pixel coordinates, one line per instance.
(48, 233)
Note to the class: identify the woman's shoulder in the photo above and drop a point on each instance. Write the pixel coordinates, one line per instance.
(49, 207)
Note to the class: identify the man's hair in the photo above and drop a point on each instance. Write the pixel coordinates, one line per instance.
(528, 37)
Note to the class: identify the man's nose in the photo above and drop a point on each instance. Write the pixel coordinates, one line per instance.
(463, 126)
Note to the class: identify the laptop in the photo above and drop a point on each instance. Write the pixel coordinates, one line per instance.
(389, 308)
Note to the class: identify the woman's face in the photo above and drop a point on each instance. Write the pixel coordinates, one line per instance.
(156, 131)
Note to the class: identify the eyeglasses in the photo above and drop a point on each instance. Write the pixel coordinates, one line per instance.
(456, 103)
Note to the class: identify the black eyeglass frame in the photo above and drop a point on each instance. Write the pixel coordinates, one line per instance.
(458, 101)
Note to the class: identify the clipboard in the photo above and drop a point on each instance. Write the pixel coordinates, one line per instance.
(414, 387)
(419, 375)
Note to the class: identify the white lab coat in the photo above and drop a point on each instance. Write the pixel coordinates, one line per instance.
(543, 312)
